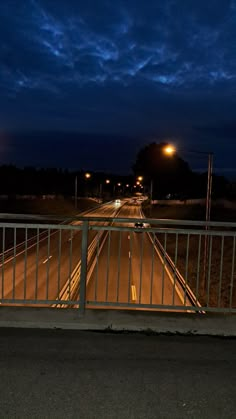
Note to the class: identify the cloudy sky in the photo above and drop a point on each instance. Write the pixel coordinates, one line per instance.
(100, 78)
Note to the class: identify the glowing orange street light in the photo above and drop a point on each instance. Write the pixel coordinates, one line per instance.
(118, 184)
(87, 175)
(107, 181)
(127, 185)
(169, 149)
(140, 178)
(137, 183)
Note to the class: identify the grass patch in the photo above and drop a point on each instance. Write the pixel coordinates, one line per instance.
(62, 208)
(189, 212)
(57, 207)
(220, 288)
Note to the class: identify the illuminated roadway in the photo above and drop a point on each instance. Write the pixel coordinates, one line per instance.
(24, 278)
(129, 269)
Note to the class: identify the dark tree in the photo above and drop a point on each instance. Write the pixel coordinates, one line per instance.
(170, 174)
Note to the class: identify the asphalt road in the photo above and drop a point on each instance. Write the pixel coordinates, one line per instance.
(65, 374)
(23, 278)
(128, 269)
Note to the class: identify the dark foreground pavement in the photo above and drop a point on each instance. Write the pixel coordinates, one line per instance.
(71, 374)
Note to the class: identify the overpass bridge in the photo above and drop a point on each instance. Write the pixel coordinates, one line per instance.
(99, 272)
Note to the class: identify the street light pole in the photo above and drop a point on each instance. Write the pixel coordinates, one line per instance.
(151, 195)
(209, 187)
(76, 191)
(100, 191)
(170, 150)
(151, 190)
(208, 216)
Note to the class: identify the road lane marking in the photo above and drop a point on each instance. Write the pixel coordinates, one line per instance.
(129, 255)
(165, 267)
(46, 260)
(167, 271)
(128, 237)
(133, 292)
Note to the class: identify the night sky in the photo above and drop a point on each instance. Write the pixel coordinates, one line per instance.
(97, 79)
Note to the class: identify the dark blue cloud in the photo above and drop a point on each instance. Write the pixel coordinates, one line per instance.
(125, 67)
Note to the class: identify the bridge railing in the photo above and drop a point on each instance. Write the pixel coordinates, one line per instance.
(110, 262)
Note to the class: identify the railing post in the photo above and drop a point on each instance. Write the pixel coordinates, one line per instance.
(83, 271)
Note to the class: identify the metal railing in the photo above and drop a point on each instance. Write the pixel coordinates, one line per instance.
(108, 262)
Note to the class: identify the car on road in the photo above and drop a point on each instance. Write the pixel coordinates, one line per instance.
(139, 226)
(117, 201)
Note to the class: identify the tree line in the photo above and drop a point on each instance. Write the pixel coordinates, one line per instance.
(171, 177)
(54, 181)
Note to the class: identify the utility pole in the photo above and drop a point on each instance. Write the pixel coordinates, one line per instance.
(76, 191)
(151, 195)
(208, 216)
(100, 192)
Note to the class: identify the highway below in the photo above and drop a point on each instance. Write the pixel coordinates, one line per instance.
(124, 267)
(129, 269)
(40, 271)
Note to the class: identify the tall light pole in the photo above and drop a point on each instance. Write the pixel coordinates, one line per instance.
(76, 191)
(171, 150)
(107, 181)
(100, 191)
(208, 215)
(151, 193)
(87, 176)
(209, 186)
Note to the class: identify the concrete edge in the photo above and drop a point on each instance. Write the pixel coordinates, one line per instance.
(119, 321)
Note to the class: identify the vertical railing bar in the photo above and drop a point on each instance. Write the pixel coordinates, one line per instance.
(141, 269)
(48, 263)
(152, 268)
(130, 266)
(59, 267)
(118, 270)
(176, 256)
(186, 268)
(25, 261)
(37, 265)
(3, 258)
(209, 271)
(232, 274)
(83, 271)
(70, 262)
(163, 270)
(97, 259)
(221, 268)
(14, 266)
(198, 266)
(108, 262)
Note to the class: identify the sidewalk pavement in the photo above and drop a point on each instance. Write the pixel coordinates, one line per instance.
(85, 375)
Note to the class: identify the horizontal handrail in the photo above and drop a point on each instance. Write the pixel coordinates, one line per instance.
(26, 216)
(81, 218)
(145, 270)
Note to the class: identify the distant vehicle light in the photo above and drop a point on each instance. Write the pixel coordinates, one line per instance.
(139, 226)
(117, 201)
